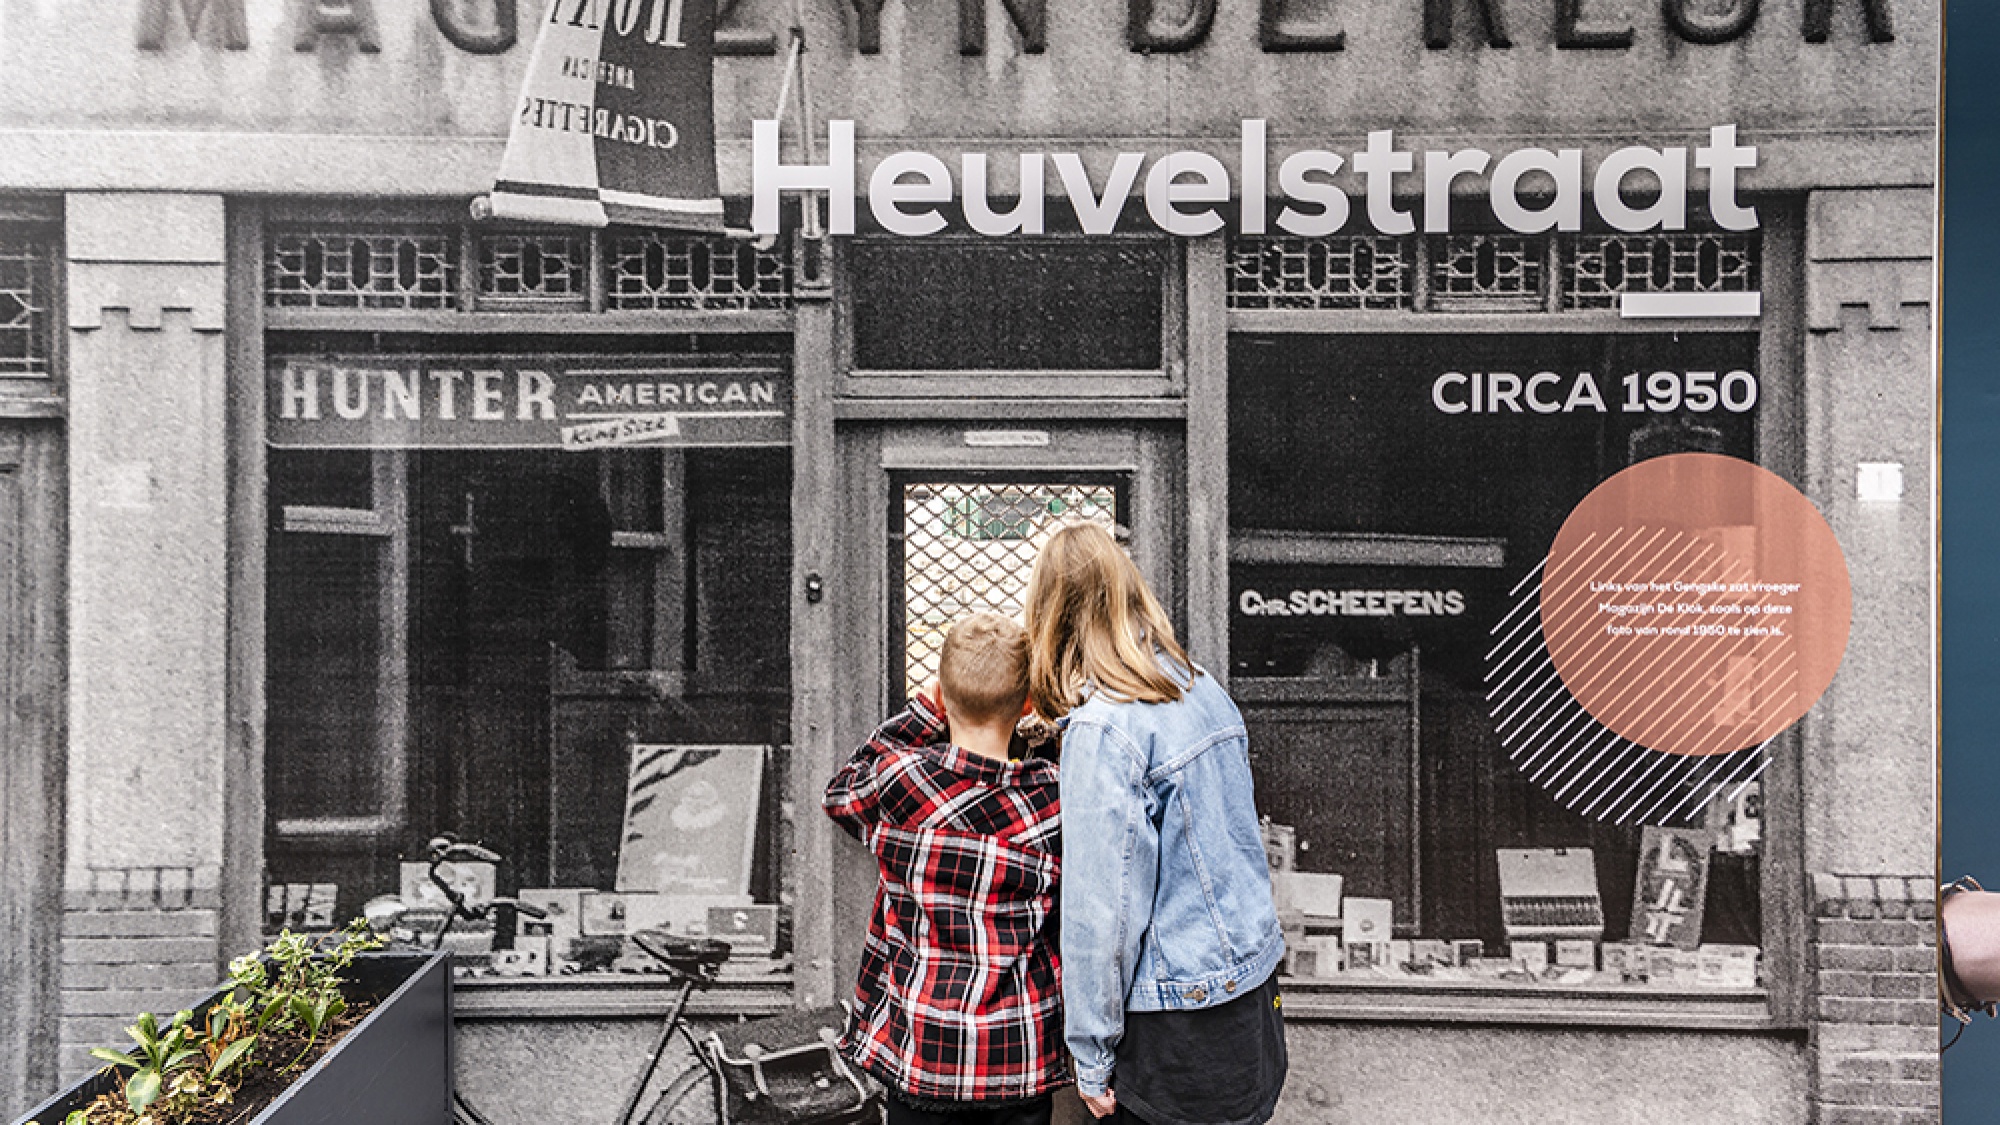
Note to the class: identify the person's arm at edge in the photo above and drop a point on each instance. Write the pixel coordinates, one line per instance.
(854, 792)
(1110, 866)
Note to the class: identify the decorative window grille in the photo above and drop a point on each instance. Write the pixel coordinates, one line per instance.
(652, 270)
(1488, 272)
(969, 546)
(1603, 267)
(1357, 272)
(362, 269)
(25, 298)
(537, 267)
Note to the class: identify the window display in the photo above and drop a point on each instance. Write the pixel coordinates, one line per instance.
(1364, 617)
(573, 652)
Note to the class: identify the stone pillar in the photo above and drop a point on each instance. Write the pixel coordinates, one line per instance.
(148, 497)
(1869, 761)
(811, 875)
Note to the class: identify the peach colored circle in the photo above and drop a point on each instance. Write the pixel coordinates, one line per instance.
(1708, 679)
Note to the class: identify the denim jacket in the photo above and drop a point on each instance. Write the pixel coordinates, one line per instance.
(1166, 894)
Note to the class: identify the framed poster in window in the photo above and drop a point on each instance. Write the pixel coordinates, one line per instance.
(690, 819)
(1672, 886)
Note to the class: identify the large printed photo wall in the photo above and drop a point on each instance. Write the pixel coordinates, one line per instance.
(571, 426)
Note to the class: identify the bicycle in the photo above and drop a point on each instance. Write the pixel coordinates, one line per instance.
(691, 964)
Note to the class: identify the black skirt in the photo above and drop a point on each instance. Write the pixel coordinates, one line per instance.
(1223, 1065)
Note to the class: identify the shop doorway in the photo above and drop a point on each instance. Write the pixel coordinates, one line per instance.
(954, 511)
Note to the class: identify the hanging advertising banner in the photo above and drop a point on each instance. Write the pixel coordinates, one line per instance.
(616, 118)
(577, 403)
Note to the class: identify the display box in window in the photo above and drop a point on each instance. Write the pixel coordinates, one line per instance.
(1366, 957)
(1630, 961)
(691, 820)
(617, 913)
(473, 880)
(300, 906)
(1576, 953)
(1550, 894)
(1427, 955)
(1365, 921)
(1727, 966)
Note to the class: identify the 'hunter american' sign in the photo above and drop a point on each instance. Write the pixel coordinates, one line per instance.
(522, 402)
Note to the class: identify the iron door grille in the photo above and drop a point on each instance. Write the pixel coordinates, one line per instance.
(964, 542)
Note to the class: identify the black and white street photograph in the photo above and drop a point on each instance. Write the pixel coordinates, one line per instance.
(995, 561)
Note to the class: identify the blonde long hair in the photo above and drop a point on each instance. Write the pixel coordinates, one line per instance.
(1093, 622)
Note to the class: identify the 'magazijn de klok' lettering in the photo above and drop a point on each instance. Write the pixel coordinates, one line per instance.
(1282, 26)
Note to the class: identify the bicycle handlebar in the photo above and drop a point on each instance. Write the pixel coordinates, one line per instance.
(444, 849)
(695, 960)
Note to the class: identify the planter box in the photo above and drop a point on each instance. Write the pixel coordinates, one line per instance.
(393, 1068)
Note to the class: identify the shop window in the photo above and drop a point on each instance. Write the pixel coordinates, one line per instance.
(491, 641)
(1605, 266)
(1362, 617)
(1485, 271)
(27, 294)
(963, 545)
(1350, 272)
(362, 267)
(945, 305)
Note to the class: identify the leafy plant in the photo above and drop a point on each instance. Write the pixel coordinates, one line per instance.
(161, 1056)
(282, 1003)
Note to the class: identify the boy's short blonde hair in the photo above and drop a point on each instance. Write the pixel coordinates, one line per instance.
(983, 668)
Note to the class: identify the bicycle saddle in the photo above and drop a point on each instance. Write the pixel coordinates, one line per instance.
(700, 958)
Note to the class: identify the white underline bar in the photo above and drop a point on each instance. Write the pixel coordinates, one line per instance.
(1643, 305)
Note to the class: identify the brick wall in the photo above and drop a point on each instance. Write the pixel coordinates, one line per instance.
(133, 940)
(1874, 1027)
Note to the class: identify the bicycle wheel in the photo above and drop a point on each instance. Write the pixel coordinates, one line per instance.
(688, 1100)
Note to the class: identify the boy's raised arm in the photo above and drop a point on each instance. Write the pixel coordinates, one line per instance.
(855, 790)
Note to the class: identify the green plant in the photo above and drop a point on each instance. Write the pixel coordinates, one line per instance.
(161, 1056)
(295, 985)
(286, 999)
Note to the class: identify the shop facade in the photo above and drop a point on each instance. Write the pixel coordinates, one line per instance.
(301, 569)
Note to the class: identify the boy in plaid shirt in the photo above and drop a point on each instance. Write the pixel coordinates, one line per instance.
(959, 999)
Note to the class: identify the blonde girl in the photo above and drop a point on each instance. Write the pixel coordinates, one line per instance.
(1170, 943)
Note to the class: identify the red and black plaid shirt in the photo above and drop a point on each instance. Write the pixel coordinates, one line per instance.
(960, 993)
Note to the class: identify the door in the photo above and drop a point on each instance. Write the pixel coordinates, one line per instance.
(508, 561)
(942, 518)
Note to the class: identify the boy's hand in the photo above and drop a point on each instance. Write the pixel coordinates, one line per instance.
(1102, 1105)
(1035, 730)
